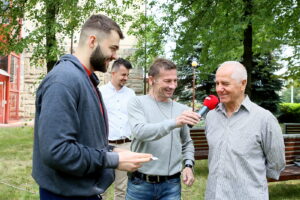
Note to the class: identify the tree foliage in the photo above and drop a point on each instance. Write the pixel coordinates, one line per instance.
(289, 112)
(265, 84)
(220, 26)
(248, 31)
(54, 23)
(150, 40)
(204, 81)
(10, 30)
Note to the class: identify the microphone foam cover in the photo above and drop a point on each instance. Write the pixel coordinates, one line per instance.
(211, 102)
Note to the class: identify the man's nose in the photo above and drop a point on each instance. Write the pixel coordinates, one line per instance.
(114, 56)
(173, 85)
(219, 89)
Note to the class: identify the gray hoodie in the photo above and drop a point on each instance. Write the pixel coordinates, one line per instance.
(154, 131)
(71, 155)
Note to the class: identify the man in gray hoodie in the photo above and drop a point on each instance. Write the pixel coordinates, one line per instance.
(71, 155)
(159, 126)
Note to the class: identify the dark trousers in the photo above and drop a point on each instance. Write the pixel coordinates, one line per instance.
(47, 195)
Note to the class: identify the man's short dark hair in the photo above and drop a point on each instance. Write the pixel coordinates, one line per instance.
(160, 63)
(101, 23)
(120, 61)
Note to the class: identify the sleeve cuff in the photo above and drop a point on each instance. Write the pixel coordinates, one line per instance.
(273, 174)
(189, 162)
(171, 124)
(112, 159)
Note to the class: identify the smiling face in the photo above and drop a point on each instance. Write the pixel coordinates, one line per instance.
(105, 52)
(164, 84)
(120, 76)
(230, 90)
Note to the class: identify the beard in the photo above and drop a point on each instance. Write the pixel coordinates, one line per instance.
(122, 83)
(97, 60)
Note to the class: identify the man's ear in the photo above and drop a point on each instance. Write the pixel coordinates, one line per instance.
(244, 84)
(151, 80)
(92, 41)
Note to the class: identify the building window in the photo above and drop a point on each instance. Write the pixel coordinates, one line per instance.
(13, 68)
(4, 5)
(4, 63)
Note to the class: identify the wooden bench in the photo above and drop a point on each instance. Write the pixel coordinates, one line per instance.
(292, 152)
(291, 128)
(200, 143)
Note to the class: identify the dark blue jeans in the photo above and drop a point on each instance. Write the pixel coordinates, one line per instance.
(138, 189)
(47, 195)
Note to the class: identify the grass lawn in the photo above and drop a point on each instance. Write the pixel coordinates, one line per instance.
(16, 182)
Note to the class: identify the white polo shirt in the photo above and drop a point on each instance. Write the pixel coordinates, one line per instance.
(116, 105)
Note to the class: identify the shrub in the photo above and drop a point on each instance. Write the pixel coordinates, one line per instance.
(289, 112)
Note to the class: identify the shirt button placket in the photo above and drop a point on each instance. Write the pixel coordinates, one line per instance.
(222, 161)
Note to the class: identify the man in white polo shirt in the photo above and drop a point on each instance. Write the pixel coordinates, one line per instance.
(115, 96)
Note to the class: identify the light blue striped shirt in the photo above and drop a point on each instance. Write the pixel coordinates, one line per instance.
(244, 149)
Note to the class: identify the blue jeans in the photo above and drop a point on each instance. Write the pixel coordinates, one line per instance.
(47, 195)
(138, 189)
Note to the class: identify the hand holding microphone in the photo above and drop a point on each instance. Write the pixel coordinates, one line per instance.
(187, 117)
(210, 102)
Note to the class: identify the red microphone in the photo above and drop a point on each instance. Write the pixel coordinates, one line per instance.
(210, 102)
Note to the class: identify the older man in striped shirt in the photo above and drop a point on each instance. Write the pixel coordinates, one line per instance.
(245, 141)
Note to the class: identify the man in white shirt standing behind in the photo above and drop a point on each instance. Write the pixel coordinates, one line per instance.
(115, 96)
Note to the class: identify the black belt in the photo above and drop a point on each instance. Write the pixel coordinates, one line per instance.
(154, 178)
(121, 141)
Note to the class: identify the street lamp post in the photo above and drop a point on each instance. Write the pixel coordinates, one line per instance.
(194, 65)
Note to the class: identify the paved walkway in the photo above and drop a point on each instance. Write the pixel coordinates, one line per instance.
(19, 123)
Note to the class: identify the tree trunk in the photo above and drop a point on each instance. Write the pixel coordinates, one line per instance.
(51, 43)
(247, 42)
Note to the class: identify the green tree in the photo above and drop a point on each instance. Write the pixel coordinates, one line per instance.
(230, 30)
(265, 83)
(10, 28)
(242, 30)
(149, 45)
(53, 22)
(204, 81)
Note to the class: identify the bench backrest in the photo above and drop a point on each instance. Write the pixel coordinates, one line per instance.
(200, 143)
(291, 128)
(292, 148)
(291, 142)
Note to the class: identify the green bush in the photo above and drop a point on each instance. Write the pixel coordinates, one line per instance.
(289, 112)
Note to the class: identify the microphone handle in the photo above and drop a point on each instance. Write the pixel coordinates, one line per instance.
(202, 112)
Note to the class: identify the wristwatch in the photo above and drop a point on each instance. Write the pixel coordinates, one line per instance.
(188, 165)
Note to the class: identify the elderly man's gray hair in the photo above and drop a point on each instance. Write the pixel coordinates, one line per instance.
(239, 71)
